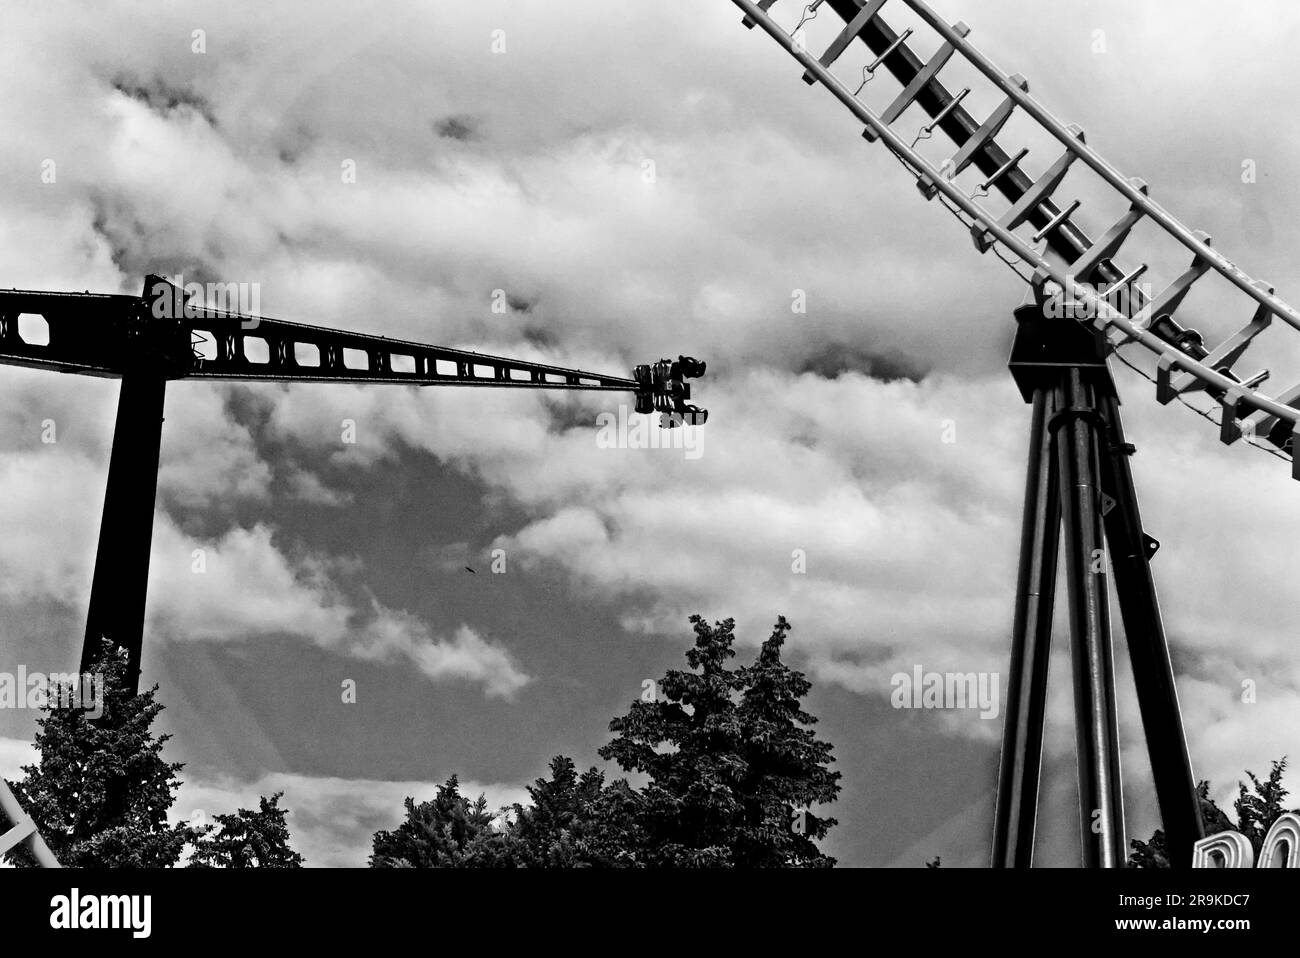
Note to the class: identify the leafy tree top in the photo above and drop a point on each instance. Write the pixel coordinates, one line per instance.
(101, 791)
(248, 839)
(733, 762)
(1257, 809)
(448, 831)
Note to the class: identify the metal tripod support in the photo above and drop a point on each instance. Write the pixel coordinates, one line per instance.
(1079, 481)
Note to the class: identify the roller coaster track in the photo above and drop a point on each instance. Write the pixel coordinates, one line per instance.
(1010, 212)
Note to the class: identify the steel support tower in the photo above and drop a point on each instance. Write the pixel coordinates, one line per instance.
(1079, 482)
(866, 54)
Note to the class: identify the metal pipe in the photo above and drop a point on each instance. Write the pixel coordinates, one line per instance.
(1144, 631)
(1016, 811)
(1004, 168)
(952, 105)
(875, 64)
(1101, 802)
(1057, 220)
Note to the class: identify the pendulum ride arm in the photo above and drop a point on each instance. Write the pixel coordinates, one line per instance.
(150, 339)
(117, 336)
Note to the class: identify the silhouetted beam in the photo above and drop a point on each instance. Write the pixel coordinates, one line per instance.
(97, 335)
(277, 350)
(119, 586)
(149, 339)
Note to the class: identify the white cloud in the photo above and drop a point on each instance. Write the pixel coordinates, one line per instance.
(331, 820)
(214, 465)
(14, 754)
(910, 542)
(248, 586)
(905, 534)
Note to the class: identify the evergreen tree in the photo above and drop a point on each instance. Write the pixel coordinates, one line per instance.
(555, 830)
(732, 762)
(573, 822)
(733, 766)
(448, 832)
(1257, 812)
(785, 765)
(101, 790)
(247, 839)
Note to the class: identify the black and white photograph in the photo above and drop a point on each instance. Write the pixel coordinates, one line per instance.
(707, 437)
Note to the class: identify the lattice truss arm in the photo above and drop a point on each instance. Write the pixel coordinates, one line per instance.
(1011, 212)
(112, 335)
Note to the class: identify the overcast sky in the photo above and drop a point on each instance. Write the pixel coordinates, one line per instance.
(525, 171)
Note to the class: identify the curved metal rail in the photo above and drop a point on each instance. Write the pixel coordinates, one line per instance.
(1068, 267)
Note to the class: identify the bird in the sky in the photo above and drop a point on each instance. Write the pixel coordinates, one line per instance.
(470, 571)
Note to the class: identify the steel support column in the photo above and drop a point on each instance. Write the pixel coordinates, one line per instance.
(1101, 804)
(1144, 632)
(117, 593)
(1016, 811)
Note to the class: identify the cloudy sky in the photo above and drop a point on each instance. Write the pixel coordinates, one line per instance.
(527, 169)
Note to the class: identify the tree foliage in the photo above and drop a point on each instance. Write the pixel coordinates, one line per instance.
(574, 821)
(247, 839)
(731, 765)
(448, 831)
(733, 762)
(101, 792)
(1257, 809)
